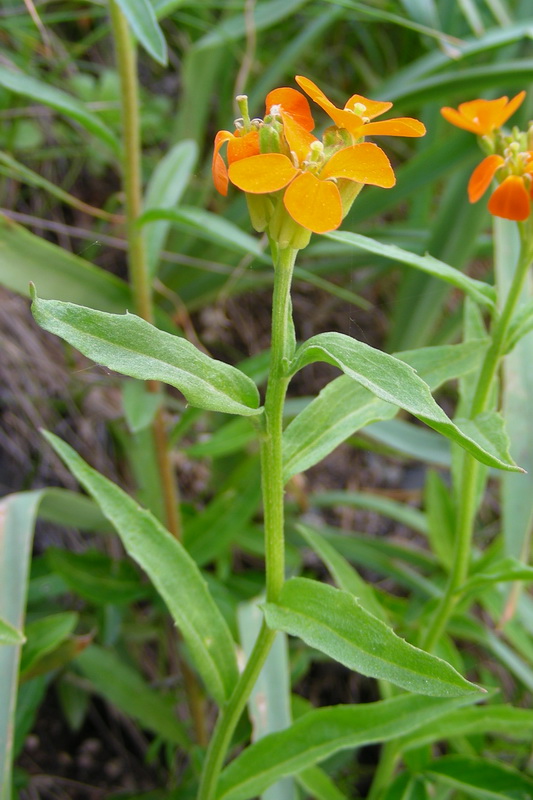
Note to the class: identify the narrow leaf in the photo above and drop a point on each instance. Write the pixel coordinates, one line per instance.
(142, 19)
(334, 622)
(479, 291)
(60, 101)
(395, 382)
(322, 732)
(164, 191)
(131, 346)
(125, 688)
(172, 571)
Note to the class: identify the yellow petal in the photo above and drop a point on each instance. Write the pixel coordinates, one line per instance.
(262, 174)
(401, 126)
(482, 176)
(293, 103)
(298, 139)
(218, 167)
(314, 204)
(364, 163)
(373, 108)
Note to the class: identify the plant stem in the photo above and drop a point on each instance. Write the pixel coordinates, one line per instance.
(282, 347)
(470, 466)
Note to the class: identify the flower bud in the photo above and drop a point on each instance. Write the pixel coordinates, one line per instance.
(285, 231)
(260, 208)
(269, 139)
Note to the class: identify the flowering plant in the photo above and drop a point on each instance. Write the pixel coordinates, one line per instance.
(306, 184)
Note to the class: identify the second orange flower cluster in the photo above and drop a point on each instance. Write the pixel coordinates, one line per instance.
(510, 159)
(285, 170)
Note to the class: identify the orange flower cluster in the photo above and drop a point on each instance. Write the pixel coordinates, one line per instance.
(295, 174)
(511, 161)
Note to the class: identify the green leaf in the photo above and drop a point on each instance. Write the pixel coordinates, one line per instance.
(44, 636)
(505, 569)
(395, 382)
(334, 622)
(405, 787)
(209, 226)
(479, 291)
(140, 405)
(319, 785)
(440, 517)
(322, 732)
(129, 345)
(125, 688)
(17, 520)
(61, 275)
(517, 723)
(172, 571)
(343, 406)
(264, 16)
(9, 634)
(164, 191)
(479, 777)
(142, 19)
(41, 92)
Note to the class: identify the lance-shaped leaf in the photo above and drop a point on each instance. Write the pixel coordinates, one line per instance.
(143, 22)
(60, 101)
(172, 571)
(343, 406)
(131, 346)
(334, 622)
(322, 732)
(9, 634)
(397, 383)
(481, 292)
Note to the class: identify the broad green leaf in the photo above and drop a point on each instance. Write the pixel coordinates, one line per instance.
(61, 275)
(334, 622)
(125, 688)
(479, 291)
(343, 406)
(17, 520)
(344, 574)
(479, 777)
(392, 380)
(10, 635)
(516, 723)
(322, 732)
(42, 92)
(164, 191)
(206, 225)
(172, 571)
(142, 19)
(128, 344)
(45, 635)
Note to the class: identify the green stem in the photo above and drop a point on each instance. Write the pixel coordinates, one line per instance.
(470, 466)
(282, 347)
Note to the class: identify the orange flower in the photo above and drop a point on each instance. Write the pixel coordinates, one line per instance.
(312, 198)
(483, 116)
(358, 112)
(512, 198)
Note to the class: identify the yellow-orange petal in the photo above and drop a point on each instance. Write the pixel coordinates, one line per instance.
(363, 163)
(293, 103)
(218, 167)
(511, 107)
(243, 146)
(510, 200)
(460, 121)
(373, 108)
(482, 176)
(401, 126)
(314, 204)
(262, 174)
(298, 139)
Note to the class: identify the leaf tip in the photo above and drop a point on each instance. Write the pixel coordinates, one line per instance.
(33, 292)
